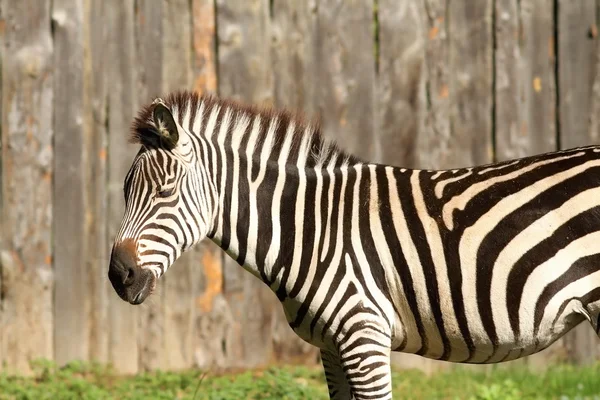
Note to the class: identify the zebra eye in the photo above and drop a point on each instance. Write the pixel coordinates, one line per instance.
(166, 192)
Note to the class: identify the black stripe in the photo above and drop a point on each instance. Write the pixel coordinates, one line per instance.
(393, 243)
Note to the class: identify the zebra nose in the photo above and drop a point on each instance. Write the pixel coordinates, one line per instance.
(131, 282)
(123, 263)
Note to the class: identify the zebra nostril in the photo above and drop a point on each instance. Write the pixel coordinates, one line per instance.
(129, 276)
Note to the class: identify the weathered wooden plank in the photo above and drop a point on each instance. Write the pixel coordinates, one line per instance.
(213, 319)
(293, 31)
(471, 92)
(457, 125)
(27, 109)
(577, 56)
(214, 324)
(346, 74)
(122, 106)
(402, 39)
(244, 50)
(245, 73)
(179, 281)
(293, 46)
(577, 51)
(525, 90)
(455, 98)
(434, 139)
(525, 85)
(96, 131)
(149, 32)
(71, 303)
(204, 38)
(400, 96)
(594, 127)
(3, 219)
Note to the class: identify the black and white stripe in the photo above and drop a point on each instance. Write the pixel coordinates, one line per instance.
(474, 265)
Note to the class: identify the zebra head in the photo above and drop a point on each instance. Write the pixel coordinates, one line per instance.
(165, 210)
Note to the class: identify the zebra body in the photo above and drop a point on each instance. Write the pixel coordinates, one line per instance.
(476, 265)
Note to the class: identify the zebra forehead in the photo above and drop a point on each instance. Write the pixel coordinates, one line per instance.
(186, 106)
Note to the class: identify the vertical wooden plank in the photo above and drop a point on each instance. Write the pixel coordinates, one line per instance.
(577, 50)
(244, 50)
(471, 92)
(245, 73)
(400, 96)
(71, 303)
(594, 126)
(400, 102)
(346, 73)
(27, 109)
(96, 131)
(525, 85)
(3, 219)
(204, 38)
(149, 43)
(179, 281)
(214, 325)
(577, 55)
(122, 106)
(292, 49)
(457, 125)
(433, 147)
(213, 320)
(525, 90)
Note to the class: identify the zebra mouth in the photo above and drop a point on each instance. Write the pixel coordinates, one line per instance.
(138, 298)
(144, 288)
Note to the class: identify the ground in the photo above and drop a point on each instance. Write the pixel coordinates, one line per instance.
(85, 381)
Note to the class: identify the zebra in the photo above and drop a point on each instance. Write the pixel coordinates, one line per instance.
(471, 265)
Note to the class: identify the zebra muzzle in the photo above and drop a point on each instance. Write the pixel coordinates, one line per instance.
(132, 283)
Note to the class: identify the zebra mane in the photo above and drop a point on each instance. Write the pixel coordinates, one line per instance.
(314, 150)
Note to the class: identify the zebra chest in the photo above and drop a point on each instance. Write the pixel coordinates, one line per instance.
(307, 323)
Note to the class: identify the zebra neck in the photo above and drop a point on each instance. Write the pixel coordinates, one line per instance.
(266, 207)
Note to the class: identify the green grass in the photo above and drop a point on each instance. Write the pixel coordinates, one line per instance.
(86, 381)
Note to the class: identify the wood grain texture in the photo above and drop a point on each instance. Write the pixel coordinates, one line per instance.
(577, 52)
(3, 218)
(471, 90)
(96, 136)
(400, 100)
(244, 72)
(577, 56)
(525, 93)
(149, 32)
(71, 303)
(525, 87)
(401, 103)
(346, 74)
(292, 50)
(212, 317)
(204, 37)
(457, 126)
(122, 106)
(214, 325)
(27, 109)
(181, 279)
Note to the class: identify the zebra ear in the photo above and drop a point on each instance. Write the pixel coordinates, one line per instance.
(166, 128)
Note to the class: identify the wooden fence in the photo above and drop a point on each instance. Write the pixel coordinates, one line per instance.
(427, 83)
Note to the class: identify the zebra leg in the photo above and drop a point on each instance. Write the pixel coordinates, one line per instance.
(366, 364)
(338, 386)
